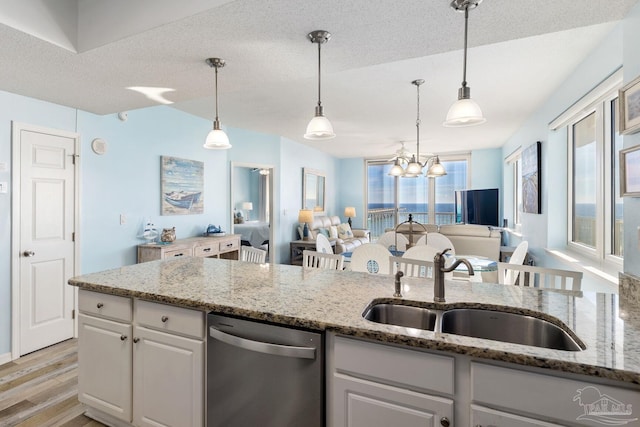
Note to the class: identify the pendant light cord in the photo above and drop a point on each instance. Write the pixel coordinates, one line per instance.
(418, 126)
(464, 62)
(216, 79)
(319, 73)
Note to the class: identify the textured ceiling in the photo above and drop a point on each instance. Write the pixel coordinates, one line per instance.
(520, 51)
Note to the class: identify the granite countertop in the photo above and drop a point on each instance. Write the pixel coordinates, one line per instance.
(335, 300)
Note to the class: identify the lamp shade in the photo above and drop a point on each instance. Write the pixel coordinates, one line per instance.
(413, 168)
(464, 112)
(305, 216)
(396, 169)
(436, 169)
(350, 212)
(247, 206)
(217, 139)
(319, 128)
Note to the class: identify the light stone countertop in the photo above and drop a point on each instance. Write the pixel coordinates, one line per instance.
(335, 300)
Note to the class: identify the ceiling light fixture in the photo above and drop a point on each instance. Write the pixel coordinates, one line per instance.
(414, 166)
(217, 139)
(465, 111)
(319, 127)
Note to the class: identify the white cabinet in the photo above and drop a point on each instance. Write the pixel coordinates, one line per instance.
(104, 365)
(374, 385)
(485, 417)
(149, 373)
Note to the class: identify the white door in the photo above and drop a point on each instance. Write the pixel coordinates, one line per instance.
(45, 196)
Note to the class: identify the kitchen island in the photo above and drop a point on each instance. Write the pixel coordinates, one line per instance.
(333, 302)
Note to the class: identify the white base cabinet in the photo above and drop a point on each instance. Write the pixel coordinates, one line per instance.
(486, 417)
(141, 366)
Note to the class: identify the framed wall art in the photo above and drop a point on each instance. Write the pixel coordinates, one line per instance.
(630, 172)
(629, 99)
(182, 186)
(531, 196)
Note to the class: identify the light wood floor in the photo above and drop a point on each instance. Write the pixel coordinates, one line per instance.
(41, 389)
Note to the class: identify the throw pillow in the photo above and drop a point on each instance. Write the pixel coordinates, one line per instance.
(344, 231)
(333, 232)
(323, 231)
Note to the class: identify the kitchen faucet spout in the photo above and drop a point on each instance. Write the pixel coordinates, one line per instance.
(440, 269)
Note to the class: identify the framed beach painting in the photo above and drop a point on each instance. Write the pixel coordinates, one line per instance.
(629, 99)
(531, 196)
(630, 172)
(182, 186)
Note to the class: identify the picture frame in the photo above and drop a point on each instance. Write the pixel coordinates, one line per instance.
(182, 186)
(531, 178)
(629, 106)
(630, 172)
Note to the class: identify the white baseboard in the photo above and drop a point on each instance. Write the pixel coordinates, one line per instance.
(5, 358)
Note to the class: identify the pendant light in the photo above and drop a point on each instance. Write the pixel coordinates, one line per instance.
(414, 168)
(465, 111)
(217, 139)
(319, 127)
(436, 169)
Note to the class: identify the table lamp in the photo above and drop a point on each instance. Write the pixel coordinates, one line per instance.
(305, 216)
(247, 206)
(350, 212)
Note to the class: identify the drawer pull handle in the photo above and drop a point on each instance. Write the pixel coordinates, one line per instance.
(206, 250)
(229, 245)
(164, 319)
(100, 305)
(123, 337)
(180, 254)
(135, 340)
(444, 422)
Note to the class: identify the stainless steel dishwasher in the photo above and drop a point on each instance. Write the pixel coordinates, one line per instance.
(263, 375)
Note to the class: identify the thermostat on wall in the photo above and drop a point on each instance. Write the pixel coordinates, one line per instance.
(99, 146)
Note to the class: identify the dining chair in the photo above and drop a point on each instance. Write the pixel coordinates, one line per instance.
(311, 259)
(438, 241)
(411, 267)
(542, 277)
(323, 245)
(426, 254)
(517, 258)
(393, 241)
(251, 254)
(370, 258)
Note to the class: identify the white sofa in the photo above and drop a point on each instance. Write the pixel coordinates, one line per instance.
(345, 244)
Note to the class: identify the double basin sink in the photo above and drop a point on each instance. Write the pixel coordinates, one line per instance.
(483, 323)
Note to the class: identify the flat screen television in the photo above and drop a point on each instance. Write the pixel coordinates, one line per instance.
(477, 207)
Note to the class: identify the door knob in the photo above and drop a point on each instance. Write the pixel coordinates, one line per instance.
(28, 253)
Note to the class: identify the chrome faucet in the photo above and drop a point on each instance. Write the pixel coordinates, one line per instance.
(397, 294)
(439, 270)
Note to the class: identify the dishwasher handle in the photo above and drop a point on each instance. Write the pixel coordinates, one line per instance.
(263, 347)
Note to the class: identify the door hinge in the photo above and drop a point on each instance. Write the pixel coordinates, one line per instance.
(73, 236)
(73, 314)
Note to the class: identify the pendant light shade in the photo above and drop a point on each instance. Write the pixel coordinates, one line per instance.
(319, 127)
(396, 169)
(436, 169)
(465, 111)
(217, 139)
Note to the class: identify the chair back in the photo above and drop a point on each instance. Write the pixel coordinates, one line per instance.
(411, 267)
(311, 259)
(438, 241)
(424, 253)
(542, 277)
(393, 241)
(251, 254)
(370, 258)
(518, 256)
(323, 245)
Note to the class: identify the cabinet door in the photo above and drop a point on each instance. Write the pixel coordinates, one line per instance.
(168, 379)
(362, 403)
(104, 365)
(485, 417)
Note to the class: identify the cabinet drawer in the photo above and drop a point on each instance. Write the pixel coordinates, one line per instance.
(173, 253)
(206, 250)
(229, 245)
(541, 396)
(417, 369)
(105, 305)
(169, 318)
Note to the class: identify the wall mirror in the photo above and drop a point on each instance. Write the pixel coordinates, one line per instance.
(313, 190)
(252, 205)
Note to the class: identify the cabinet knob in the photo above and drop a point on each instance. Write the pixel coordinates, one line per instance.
(164, 319)
(100, 305)
(123, 337)
(135, 340)
(444, 422)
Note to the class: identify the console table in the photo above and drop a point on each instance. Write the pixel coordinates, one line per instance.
(219, 247)
(298, 246)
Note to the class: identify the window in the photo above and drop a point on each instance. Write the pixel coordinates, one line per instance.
(390, 200)
(595, 205)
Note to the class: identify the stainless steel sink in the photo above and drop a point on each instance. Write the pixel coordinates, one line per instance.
(476, 322)
(402, 315)
(507, 327)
